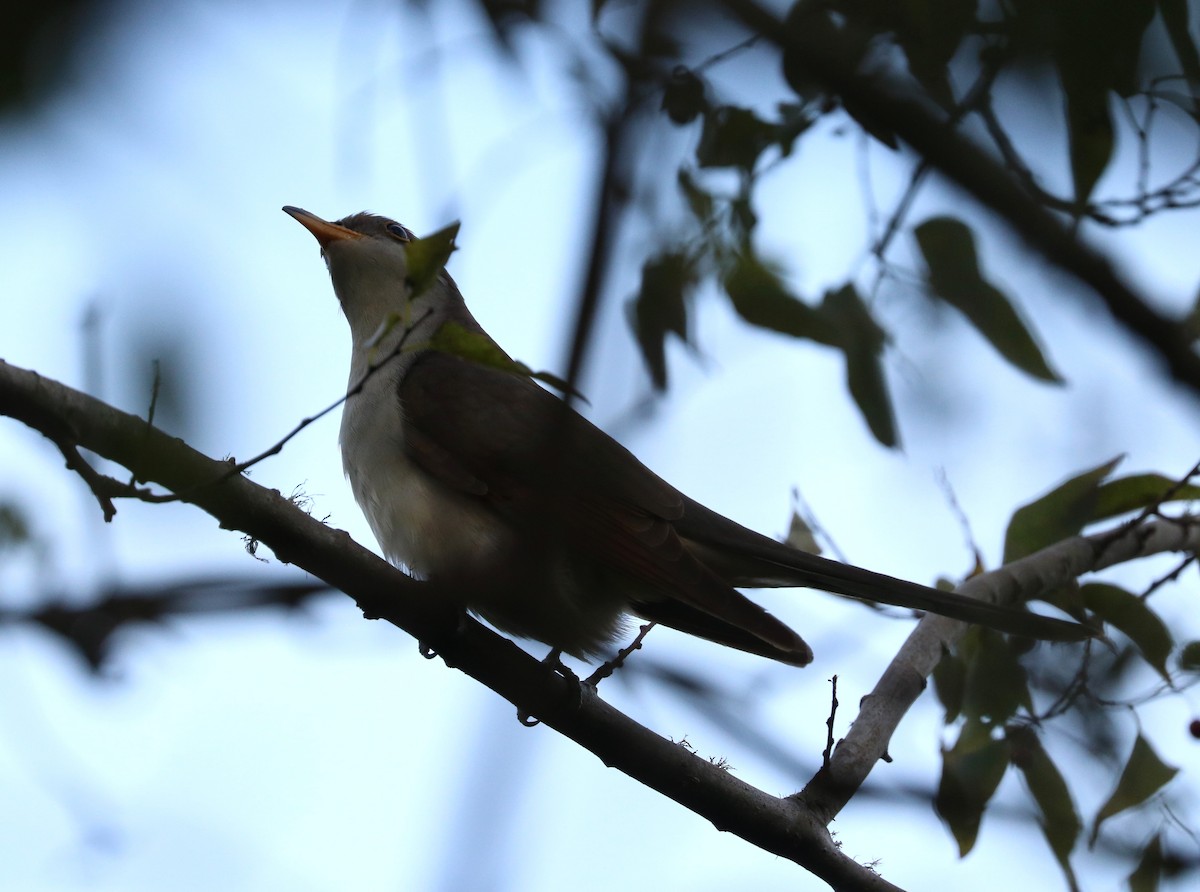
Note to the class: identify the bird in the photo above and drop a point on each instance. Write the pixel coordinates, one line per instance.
(474, 476)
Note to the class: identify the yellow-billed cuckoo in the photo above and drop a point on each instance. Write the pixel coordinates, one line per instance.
(478, 478)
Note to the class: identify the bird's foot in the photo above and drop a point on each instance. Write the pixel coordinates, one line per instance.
(574, 693)
(451, 640)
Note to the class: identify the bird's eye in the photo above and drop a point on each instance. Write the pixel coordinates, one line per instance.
(399, 232)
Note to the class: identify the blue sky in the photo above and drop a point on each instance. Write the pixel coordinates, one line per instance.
(321, 751)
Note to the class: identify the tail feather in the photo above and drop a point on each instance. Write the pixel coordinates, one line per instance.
(685, 618)
(746, 559)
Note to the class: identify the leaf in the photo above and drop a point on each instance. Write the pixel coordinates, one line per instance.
(996, 684)
(971, 771)
(742, 217)
(862, 341)
(660, 309)
(427, 257)
(1132, 617)
(948, 247)
(794, 119)
(759, 296)
(1090, 135)
(733, 136)
(930, 35)
(1059, 514)
(477, 347)
(1144, 775)
(14, 526)
(820, 23)
(1060, 820)
(684, 96)
(950, 683)
(800, 536)
(1138, 491)
(1096, 48)
(1189, 657)
(1175, 17)
(1149, 870)
(698, 200)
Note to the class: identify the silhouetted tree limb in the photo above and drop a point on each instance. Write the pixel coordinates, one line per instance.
(792, 827)
(772, 823)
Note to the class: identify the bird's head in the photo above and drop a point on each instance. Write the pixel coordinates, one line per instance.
(368, 263)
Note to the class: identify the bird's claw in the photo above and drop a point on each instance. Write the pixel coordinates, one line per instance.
(574, 693)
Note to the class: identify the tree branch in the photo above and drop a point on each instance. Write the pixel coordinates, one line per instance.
(793, 827)
(778, 825)
(904, 679)
(927, 130)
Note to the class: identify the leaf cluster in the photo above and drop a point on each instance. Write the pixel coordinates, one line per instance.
(984, 683)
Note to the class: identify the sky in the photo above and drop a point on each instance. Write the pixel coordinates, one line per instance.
(320, 751)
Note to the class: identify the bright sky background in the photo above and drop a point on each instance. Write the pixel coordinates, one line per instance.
(321, 752)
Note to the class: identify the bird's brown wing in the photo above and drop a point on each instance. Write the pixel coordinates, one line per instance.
(539, 463)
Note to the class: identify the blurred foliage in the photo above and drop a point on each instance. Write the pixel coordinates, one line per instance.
(91, 630)
(14, 526)
(1108, 74)
(1113, 72)
(1004, 696)
(39, 43)
(948, 247)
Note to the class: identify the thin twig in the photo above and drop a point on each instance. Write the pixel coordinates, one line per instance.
(833, 707)
(95, 481)
(236, 468)
(607, 669)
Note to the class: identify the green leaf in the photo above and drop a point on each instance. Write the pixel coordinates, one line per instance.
(1090, 135)
(862, 341)
(477, 347)
(1096, 48)
(1132, 617)
(1138, 491)
(1059, 514)
(930, 35)
(794, 119)
(800, 535)
(660, 308)
(742, 218)
(821, 23)
(684, 96)
(996, 684)
(971, 771)
(816, 22)
(950, 683)
(1149, 871)
(1144, 775)
(14, 527)
(732, 137)
(699, 201)
(427, 257)
(1060, 820)
(948, 247)
(759, 296)
(1175, 17)
(735, 137)
(1189, 657)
